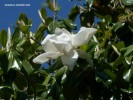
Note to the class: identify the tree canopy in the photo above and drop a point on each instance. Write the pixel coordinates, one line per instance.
(103, 69)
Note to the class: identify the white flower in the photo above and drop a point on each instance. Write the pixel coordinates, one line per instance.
(64, 44)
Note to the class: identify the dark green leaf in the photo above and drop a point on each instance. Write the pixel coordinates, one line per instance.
(39, 33)
(69, 24)
(126, 51)
(20, 82)
(128, 74)
(52, 26)
(3, 38)
(118, 25)
(4, 62)
(10, 58)
(23, 18)
(118, 61)
(28, 67)
(54, 91)
(16, 36)
(43, 12)
(73, 13)
(120, 45)
(1, 72)
(40, 88)
(6, 92)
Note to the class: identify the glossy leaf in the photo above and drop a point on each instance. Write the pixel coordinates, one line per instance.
(28, 67)
(60, 74)
(68, 23)
(128, 74)
(118, 25)
(126, 51)
(52, 26)
(3, 38)
(73, 13)
(127, 2)
(46, 82)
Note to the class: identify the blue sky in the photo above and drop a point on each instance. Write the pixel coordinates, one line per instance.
(9, 15)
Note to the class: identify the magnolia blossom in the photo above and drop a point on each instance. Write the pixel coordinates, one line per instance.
(64, 44)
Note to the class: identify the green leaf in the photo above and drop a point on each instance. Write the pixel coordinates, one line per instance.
(40, 88)
(128, 74)
(127, 51)
(16, 36)
(48, 20)
(43, 13)
(73, 13)
(22, 42)
(90, 2)
(52, 6)
(28, 67)
(118, 61)
(87, 18)
(131, 26)
(110, 74)
(5, 92)
(30, 22)
(92, 46)
(24, 28)
(46, 82)
(84, 47)
(39, 33)
(23, 23)
(119, 45)
(54, 91)
(118, 25)
(1, 72)
(3, 38)
(20, 82)
(52, 26)
(10, 58)
(68, 23)
(127, 2)
(4, 62)
(23, 18)
(129, 60)
(59, 74)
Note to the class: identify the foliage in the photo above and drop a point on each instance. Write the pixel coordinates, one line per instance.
(107, 74)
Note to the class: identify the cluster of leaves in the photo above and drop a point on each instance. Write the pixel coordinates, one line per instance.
(106, 75)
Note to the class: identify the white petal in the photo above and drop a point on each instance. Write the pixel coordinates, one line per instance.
(48, 37)
(47, 45)
(63, 35)
(46, 56)
(83, 36)
(70, 59)
(58, 31)
(61, 46)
